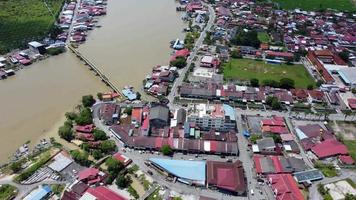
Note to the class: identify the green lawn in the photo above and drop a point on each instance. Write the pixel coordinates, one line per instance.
(245, 69)
(24, 20)
(263, 37)
(344, 5)
(351, 146)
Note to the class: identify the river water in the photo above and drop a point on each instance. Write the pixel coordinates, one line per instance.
(134, 37)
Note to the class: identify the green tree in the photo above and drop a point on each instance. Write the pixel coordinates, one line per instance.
(71, 115)
(179, 62)
(271, 83)
(236, 54)
(68, 123)
(166, 150)
(254, 138)
(349, 196)
(84, 117)
(96, 153)
(88, 100)
(128, 110)
(319, 83)
(344, 55)
(310, 87)
(100, 96)
(276, 105)
(246, 38)
(85, 146)
(107, 146)
(353, 90)
(99, 134)
(123, 181)
(80, 157)
(286, 83)
(113, 165)
(66, 133)
(254, 82)
(16, 166)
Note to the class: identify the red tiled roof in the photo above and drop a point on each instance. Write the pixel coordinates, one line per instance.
(329, 148)
(88, 173)
(285, 187)
(103, 193)
(227, 176)
(348, 160)
(279, 54)
(122, 158)
(137, 114)
(352, 103)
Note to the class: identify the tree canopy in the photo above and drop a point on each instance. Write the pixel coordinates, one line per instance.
(99, 134)
(246, 38)
(66, 132)
(88, 100)
(166, 150)
(108, 146)
(84, 117)
(123, 181)
(80, 157)
(179, 62)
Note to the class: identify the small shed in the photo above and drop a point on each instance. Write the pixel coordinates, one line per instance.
(37, 47)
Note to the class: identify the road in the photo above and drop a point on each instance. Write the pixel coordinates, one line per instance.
(198, 43)
(260, 192)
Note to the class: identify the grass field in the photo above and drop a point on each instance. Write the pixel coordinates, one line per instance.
(245, 69)
(344, 5)
(24, 20)
(263, 37)
(351, 146)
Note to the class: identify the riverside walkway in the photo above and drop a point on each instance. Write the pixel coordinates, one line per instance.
(96, 70)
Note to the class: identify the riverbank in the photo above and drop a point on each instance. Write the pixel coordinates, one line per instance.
(48, 88)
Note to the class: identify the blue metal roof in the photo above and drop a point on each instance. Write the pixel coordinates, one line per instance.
(300, 134)
(39, 193)
(190, 170)
(347, 81)
(229, 111)
(129, 94)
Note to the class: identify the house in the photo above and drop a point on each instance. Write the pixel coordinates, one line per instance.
(207, 61)
(159, 116)
(283, 56)
(101, 193)
(329, 148)
(91, 176)
(315, 96)
(225, 176)
(265, 146)
(277, 164)
(284, 187)
(110, 113)
(348, 76)
(37, 47)
(308, 175)
(122, 158)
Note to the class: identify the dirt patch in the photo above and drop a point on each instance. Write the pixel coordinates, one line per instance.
(346, 129)
(136, 184)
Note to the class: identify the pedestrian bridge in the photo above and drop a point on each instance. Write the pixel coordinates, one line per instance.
(95, 69)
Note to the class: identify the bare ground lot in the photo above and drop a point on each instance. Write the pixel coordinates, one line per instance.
(346, 129)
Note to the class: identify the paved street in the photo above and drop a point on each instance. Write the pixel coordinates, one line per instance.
(193, 53)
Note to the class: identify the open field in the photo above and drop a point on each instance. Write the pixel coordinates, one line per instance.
(344, 5)
(245, 69)
(22, 21)
(351, 146)
(263, 37)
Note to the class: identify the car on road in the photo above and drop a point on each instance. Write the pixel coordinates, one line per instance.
(150, 172)
(252, 192)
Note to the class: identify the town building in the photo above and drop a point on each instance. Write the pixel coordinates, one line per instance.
(284, 187)
(218, 117)
(227, 177)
